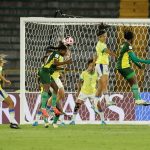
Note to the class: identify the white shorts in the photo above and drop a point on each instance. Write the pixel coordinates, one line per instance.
(3, 95)
(102, 70)
(59, 84)
(84, 97)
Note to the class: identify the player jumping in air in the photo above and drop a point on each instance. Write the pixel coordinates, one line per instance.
(47, 81)
(124, 67)
(102, 64)
(86, 90)
(4, 97)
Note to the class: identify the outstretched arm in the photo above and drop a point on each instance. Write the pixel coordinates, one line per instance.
(136, 60)
(57, 63)
(110, 53)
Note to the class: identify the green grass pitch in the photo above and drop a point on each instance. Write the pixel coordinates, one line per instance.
(78, 137)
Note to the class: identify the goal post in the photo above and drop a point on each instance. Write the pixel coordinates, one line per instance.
(37, 33)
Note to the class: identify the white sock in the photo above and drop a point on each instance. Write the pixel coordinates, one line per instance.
(12, 116)
(102, 116)
(38, 116)
(74, 117)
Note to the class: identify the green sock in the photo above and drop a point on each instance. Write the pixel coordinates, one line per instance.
(135, 91)
(54, 99)
(45, 120)
(44, 97)
(56, 119)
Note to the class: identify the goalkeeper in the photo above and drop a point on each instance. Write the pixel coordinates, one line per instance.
(87, 90)
(124, 67)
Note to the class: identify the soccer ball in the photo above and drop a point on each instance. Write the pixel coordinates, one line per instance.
(68, 41)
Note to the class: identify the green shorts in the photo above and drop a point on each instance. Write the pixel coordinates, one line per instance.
(127, 73)
(44, 75)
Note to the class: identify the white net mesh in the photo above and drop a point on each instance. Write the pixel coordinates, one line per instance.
(39, 35)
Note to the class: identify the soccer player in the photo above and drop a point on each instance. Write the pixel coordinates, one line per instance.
(6, 98)
(87, 89)
(124, 67)
(102, 64)
(47, 81)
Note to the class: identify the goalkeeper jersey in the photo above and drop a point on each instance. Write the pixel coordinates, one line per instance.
(89, 82)
(102, 56)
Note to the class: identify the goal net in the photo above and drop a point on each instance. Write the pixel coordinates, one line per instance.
(38, 33)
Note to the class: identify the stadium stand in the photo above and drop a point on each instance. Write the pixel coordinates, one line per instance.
(11, 11)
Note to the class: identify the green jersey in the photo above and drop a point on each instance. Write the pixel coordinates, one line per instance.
(124, 58)
(49, 64)
(48, 68)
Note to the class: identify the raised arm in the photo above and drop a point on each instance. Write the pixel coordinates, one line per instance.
(111, 53)
(136, 60)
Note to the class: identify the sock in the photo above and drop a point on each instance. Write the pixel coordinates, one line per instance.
(54, 99)
(44, 97)
(50, 110)
(96, 99)
(56, 119)
(101, 113)
(38, 115)
(12, 116)
(74, 117)
(135, 91)
(77, 106)
(45, 120)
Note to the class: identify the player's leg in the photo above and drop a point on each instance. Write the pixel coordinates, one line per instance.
(45, 80)
(75, 112)
(56, 103)
(97, 108)
(37, 116)
(7, 99)
(130, 76)
(60, 96)
(103, 81)
(80, 100)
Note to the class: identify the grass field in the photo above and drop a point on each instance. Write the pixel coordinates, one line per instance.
(78, 137)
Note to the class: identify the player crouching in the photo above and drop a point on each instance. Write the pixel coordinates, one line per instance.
(86, 90)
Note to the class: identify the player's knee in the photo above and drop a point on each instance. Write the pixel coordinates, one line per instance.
(10, 102)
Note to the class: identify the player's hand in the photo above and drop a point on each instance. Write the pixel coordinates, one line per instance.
(8, 82)
(66, 69)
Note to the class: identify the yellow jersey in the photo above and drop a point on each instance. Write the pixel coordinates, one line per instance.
(102, 56)
(56, 74)
(89, 82)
